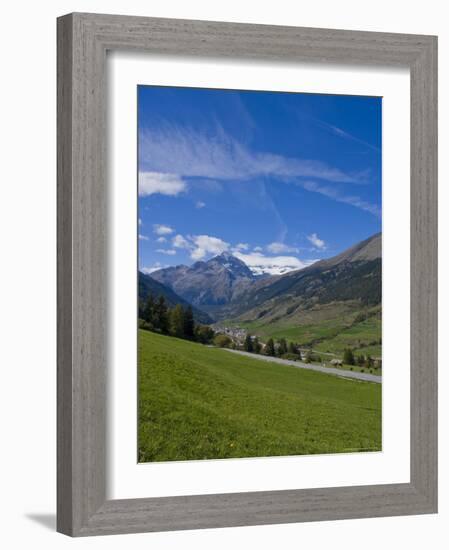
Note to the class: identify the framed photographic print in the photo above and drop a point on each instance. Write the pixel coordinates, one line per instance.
(246, 274)
(240, 261)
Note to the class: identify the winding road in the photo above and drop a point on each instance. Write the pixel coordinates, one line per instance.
(366, 377)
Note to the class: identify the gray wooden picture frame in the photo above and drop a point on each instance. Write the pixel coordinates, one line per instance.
(83, 40)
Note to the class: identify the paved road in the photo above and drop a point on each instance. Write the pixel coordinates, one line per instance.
(327, 370)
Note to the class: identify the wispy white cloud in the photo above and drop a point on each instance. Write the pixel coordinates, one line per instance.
(167, 251)
(241, 246)
(346, 135)
(143, 237)
(140, 221)
(161, 229)
(219, 156)
(205, 244)
(200, 246)
(333, 193)
(181, 242)
(151, 183)
(200, 204)
(316, 241)
(281, 248)
(161, 240)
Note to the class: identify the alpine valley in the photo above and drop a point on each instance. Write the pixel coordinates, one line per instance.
(330, 305)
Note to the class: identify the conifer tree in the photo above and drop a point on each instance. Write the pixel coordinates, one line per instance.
(348, 357)
(292, 348)
(161, 315)
(282, 346)
(177, 320)
(248, 344)
(189, 323)
(269, 348)
(256, 345)
(148, 310)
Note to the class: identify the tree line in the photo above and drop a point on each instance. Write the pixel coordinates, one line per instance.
(360, 360)
(156, 315)
(281, 348)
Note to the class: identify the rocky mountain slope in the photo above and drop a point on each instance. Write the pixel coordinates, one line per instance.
(353, 275)
(210, 284)
(227, 289)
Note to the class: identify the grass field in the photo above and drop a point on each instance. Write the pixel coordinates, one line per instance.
(366, 332)
(329, 329)
(298, 333)
(197, 402)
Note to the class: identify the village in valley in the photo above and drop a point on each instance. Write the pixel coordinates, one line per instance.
(239, 338)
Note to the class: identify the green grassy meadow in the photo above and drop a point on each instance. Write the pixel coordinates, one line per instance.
(197, 402)
(365, 332)
(329, 329)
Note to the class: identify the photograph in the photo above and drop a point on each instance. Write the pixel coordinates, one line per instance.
(259, 274)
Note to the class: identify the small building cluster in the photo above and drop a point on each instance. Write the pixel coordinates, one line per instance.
(237, 334)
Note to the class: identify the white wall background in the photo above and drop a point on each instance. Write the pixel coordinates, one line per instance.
(27, 274)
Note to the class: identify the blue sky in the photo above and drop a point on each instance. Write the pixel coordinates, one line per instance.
(278, 179)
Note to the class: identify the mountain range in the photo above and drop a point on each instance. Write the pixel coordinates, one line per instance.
(225, 288)
(208, 285)
(350, 281)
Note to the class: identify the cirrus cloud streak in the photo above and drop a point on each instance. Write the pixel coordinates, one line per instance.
(219, 156)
